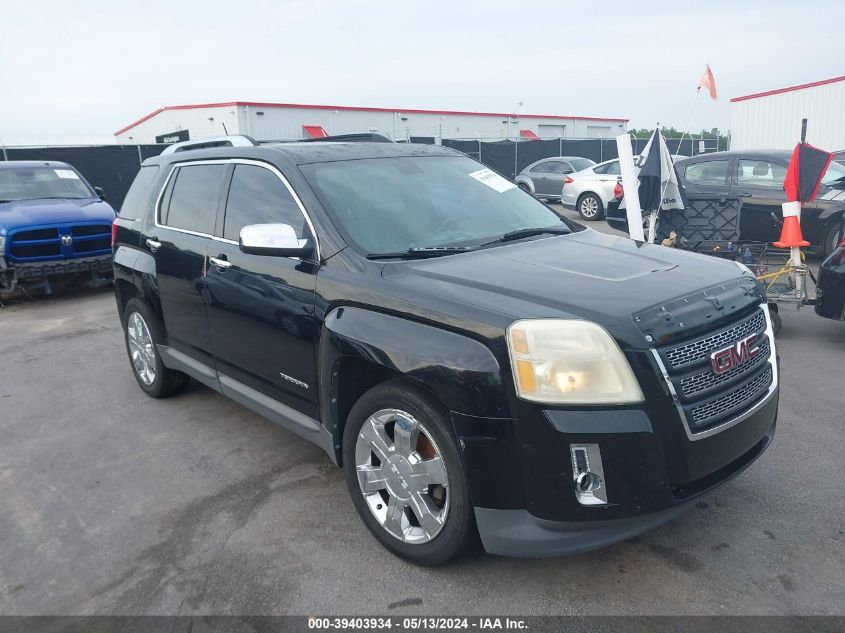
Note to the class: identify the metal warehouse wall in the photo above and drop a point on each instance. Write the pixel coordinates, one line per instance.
(774, 121)
(285, 123)
(200, 122)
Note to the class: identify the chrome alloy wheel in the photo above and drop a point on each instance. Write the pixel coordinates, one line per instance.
(402, 476)
(589, 207)
(141, 348)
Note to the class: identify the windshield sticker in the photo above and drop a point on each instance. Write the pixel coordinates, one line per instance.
(492, 180)
(66, 173)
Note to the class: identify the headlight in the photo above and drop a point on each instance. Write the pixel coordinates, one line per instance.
(561, 361)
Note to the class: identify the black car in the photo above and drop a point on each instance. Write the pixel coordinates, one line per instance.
(757, 178)
(830, 289)
(477, 365)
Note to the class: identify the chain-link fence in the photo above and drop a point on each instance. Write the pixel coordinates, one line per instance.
(113, 167)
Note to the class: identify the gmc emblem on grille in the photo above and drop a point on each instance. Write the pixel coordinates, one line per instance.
(739, 353)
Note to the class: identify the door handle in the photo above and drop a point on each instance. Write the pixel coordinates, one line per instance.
(153, 245)
(221, 263)
(744, 194)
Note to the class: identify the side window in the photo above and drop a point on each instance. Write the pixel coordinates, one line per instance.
(542, 168)
(556, 167)
(761, 173)
(613, 169)
(257, 196)
(601, 169)
(708, 172)
(194, 193)
(138, 196)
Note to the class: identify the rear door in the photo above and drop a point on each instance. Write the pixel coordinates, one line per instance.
(706, 176)
(261, 308)
(759, 182)
(556, 171)
(185, 221)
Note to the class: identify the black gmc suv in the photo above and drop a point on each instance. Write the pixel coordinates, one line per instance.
(476, 364)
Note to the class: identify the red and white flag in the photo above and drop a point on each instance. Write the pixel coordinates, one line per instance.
(707, 81)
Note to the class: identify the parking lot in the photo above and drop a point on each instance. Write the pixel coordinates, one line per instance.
(114, 503)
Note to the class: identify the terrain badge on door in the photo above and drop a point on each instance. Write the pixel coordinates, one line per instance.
(298, 383)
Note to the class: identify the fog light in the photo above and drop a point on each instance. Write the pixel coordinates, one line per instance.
(588, 474)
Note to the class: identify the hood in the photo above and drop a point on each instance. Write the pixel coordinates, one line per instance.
(590, 275)
(18, 213)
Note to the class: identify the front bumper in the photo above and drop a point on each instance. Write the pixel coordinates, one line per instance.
(517, 532)
(10, 276)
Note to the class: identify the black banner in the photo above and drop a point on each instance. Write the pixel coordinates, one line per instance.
(174, 137)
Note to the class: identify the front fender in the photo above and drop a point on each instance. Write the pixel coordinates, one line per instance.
(462, 372)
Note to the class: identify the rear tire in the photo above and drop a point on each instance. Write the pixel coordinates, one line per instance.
(419, 508)
(590, 207)
(831, 241)
(142, 331)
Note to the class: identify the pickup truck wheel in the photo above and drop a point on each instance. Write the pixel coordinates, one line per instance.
(590, 207)
(405, 475)
(142, 330)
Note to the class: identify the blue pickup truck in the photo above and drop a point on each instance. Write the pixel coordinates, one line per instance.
(52, 222)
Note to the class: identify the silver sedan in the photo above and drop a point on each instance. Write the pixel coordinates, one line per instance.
(544, 178)
(589, 190)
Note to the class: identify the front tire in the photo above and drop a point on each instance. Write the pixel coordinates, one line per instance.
(142, 332)
(405, 474)
(590, 207)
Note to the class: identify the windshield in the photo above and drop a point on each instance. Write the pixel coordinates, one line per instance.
(834, 172)
(386, 205)
(31, 183)
(581, 163)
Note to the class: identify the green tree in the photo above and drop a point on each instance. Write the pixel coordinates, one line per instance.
(670, 132)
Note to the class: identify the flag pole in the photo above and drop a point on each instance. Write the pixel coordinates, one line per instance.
(652, 220)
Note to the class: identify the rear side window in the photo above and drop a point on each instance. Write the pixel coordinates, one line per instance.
(258, 196)
(138, 196)
(193, 196)
(708, 172)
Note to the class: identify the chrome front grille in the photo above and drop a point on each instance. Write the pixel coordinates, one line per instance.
(705, 381)
(733, 400)
(691, 353)
(706, 401)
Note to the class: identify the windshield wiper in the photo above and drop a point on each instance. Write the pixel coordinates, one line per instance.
(519, 234)
(422, 252)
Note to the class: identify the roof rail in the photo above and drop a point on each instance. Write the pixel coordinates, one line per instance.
(232, 140)
(365, 137)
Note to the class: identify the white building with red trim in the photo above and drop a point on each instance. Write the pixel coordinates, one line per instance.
(772, 119)
(289, 121)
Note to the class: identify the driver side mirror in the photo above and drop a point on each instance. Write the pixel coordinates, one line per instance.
(275, 240)
(100, 192)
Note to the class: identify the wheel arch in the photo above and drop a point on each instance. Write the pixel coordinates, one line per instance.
(360, 348)
(524, 180)
(135, 276)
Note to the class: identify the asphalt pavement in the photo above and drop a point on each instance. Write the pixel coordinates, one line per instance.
(114, 503)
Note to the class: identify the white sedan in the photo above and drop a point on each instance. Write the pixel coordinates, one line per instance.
(588, 191)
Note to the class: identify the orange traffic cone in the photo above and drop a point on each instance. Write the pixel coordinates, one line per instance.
(790, 234)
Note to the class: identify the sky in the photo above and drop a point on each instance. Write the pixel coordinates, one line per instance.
(78, 71)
